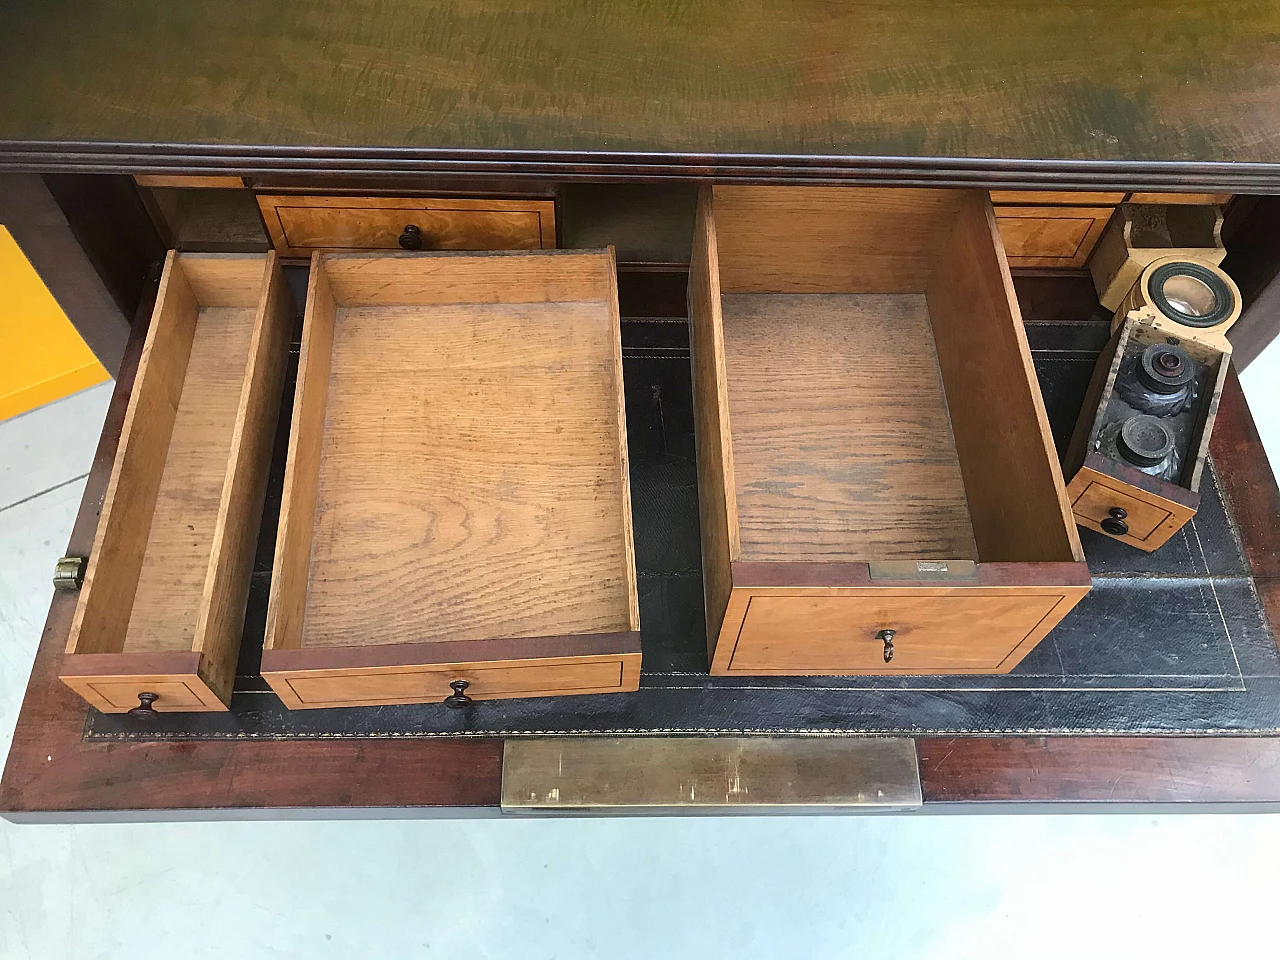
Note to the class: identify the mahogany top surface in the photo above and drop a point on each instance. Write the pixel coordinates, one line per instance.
(1000, 82)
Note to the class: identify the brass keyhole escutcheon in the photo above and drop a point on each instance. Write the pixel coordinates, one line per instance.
(458, 699)
(887, 636)
(1114, 523)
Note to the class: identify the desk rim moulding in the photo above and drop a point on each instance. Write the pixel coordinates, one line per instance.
(544, 277)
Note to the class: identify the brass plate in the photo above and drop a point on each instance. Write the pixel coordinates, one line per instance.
(922, 570)
(685, 774)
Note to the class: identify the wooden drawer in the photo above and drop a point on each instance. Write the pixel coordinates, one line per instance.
(456, 489)
(301, 225)
(866, 403)
(419, 683)
(163, 599)
(1051, 236)
(964, 631)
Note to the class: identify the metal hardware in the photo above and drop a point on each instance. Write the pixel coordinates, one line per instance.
(887, 636)
(687, 774)
(458, 699)
(145, 708)
(1114, 524)
(922, 570)
(69, 573)
(411, 238)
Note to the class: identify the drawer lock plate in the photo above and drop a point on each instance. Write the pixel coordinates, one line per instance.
(924, 570)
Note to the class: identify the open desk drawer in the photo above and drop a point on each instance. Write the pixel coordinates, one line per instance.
(456, 519)
(162, 606)
(879, 488)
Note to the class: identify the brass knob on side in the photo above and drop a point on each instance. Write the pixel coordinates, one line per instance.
(1114, 524)
(458, 699)
(411, 238)
(145, 708)
(887, 636)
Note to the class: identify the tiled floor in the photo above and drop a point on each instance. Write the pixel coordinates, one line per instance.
(884, 887)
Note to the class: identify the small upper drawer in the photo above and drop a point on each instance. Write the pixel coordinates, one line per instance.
(301, 225)
(1051, 236)
(930, 634)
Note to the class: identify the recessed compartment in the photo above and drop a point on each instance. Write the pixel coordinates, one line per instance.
(456, 495)
(160, 612)
(869, 425)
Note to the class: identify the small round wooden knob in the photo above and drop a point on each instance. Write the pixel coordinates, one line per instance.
(145, 708)
(411, 238)
(1114, 524)
(887, 636)
(458, 699)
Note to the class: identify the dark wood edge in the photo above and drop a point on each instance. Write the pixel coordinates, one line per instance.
(1247, 482)
(448, 652)
(119, 664)
(1100, 769)
(1143, 481)
(603, 166)
(763, 574)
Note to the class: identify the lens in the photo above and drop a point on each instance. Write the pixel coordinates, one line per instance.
(1190, 296)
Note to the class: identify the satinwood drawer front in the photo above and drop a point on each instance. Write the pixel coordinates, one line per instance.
(415, 685)
(1051, 236)
(1097, 500)
(838, 635)
(301, 225)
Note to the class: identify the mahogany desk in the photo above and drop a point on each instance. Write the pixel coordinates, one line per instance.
(513, 98)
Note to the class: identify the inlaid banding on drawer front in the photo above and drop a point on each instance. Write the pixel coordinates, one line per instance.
(419, 685)
(301, 225)
(955, 631)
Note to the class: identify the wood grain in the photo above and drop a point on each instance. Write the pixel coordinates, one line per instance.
(828, 240)
(806, 634)
(1100, 770)
(301, 225)
(1212, 199)
(1016, 498)
(1071, 198)
(717, 503)
(1248, 481)
(457, 470)
(111, 579)
(1051, 236)
(871, 78)
(235, 531)
(152, 180)
(195, 510)
(287, 605)
(842, 446)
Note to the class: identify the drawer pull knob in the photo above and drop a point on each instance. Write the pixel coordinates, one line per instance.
(458, 699)
(887, 636)
(145, 708)
(1114, 524)
(411, 238)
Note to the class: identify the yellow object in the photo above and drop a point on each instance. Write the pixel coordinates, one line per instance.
(42, 357)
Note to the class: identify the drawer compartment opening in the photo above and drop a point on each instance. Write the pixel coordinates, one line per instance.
(162, 605)
(866, 402)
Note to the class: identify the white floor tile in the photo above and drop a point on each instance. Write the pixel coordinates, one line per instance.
(51, 444)
(33, 535)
